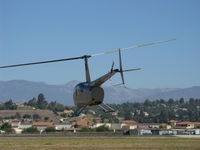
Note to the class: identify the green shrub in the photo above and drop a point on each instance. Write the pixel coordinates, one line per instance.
(102, 129)
(50, 129)
(31, 130)
(87, 130)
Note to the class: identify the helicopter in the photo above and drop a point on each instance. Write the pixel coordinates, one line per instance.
(90, 93)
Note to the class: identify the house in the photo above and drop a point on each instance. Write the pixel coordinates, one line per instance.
(196, 125)
(102, 124)
(165, 126)
(27, 119)
(148, 125)
(128, 122)
(17, 130)
(146, 114)
(154, 125)
(62, 126)
(142, 126)
(15, 123)
(144, 132)
(172, 123)
(186, 125)
(24, 125)
(64, 120)
(116, 126)
(2, 132)
(41, 126)
(83, 124)
(166, 132)
(68, 112)
(6, 120)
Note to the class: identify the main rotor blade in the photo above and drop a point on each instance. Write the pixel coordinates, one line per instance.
(132, 47)
(43, 62)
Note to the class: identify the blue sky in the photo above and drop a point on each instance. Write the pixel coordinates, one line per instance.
(38, 30)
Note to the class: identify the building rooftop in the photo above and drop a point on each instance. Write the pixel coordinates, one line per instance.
(42, 124)
(129, 122)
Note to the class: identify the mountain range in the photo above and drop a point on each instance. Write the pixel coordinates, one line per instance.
(21, 91)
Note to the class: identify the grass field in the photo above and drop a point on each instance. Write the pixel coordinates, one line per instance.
(97, 143)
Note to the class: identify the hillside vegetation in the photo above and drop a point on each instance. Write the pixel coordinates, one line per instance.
(157, 111)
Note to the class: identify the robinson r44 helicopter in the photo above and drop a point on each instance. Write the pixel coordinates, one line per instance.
(90, 93)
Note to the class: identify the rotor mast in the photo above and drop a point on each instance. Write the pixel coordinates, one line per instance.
(87, 72)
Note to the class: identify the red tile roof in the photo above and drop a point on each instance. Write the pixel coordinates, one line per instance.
(185, 122)
(129, 122)
(172, 121)
(83, 123)
(42, 124)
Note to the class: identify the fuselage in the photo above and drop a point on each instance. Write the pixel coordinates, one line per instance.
(85, 94)
(91, 93)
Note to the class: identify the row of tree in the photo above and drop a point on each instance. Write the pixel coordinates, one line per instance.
(42, 103)
(148, 111)
(160, 111)
(8, 105)
(38, 103)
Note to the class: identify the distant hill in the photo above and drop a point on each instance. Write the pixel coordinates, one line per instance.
(21, 90)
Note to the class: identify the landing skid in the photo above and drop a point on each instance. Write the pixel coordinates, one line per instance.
(106, 108)
(79, 111)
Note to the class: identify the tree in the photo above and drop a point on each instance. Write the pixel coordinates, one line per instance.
(6, 127)
(181, 101)
(64, 115)
(170, 101)
(52, 105)
(41, 102)
(163, 116)
(26, 116)
(9, 105)
(17, 115)
(32, 102)
(46, 118)
(36, 117)
(147, 102)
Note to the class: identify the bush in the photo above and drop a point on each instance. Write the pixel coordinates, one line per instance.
(31, 130)
(102, 129)
(50, 129)
(98, 129)
(87, 130)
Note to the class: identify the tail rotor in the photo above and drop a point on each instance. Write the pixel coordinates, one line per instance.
(121, 71)
(120, 67)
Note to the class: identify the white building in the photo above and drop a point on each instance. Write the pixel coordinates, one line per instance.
(62, 126)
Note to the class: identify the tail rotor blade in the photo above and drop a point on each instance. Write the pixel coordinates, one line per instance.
(112, 65)
(120, 67)
(122, 76)
(120, 61)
